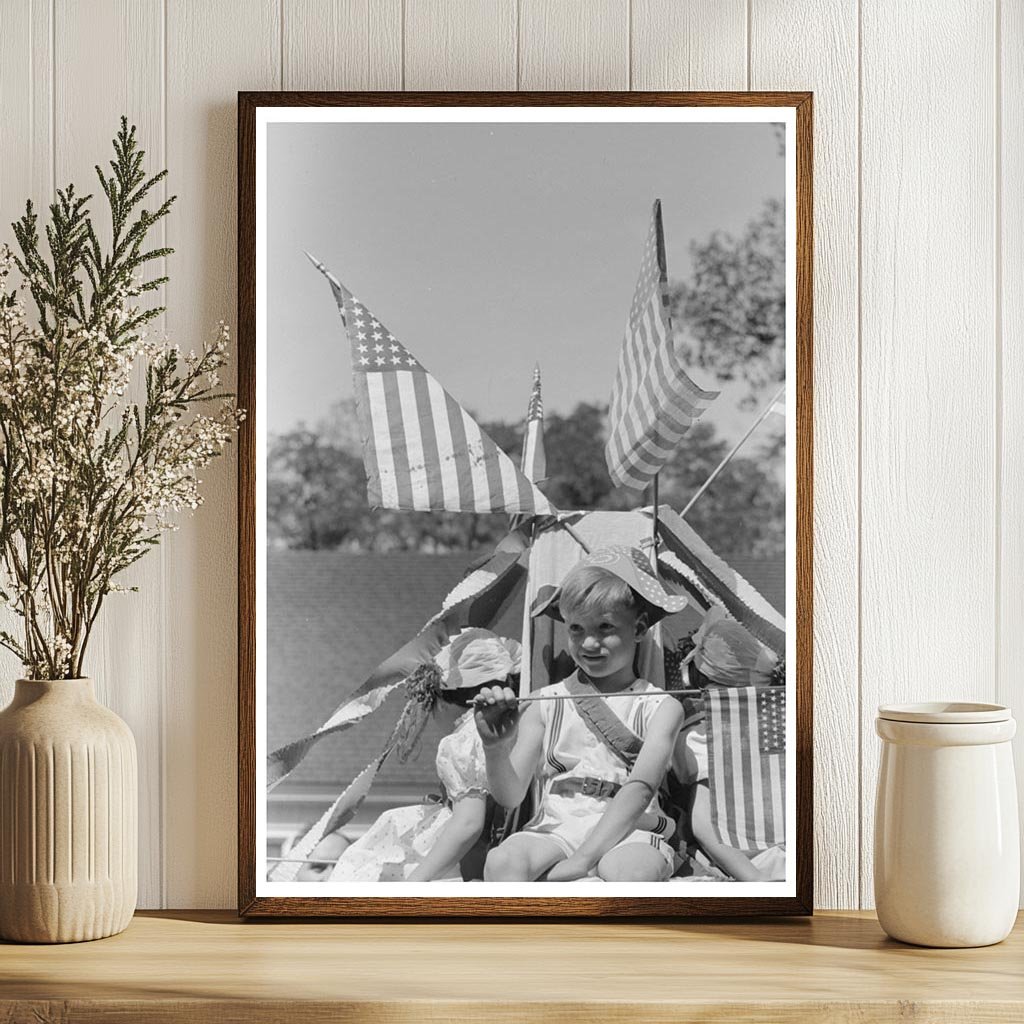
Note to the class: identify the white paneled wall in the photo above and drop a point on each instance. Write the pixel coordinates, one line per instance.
(919, 323)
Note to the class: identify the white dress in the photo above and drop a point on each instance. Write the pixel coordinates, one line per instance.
(398, 841)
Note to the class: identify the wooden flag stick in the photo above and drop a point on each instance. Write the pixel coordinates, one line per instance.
(584, 696)
(592, 696)
(718, 469)
(575, 536)
(654, 527)
(295, 860)
(526, 654)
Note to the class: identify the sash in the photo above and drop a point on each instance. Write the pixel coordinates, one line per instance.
(603, 722)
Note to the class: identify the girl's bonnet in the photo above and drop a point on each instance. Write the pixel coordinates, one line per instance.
(727, 654)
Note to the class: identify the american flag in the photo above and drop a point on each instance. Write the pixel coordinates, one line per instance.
(747, 764)
(422, 451)
(534, 460)
(654, 402)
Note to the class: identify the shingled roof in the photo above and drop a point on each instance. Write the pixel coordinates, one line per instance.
(332, 617)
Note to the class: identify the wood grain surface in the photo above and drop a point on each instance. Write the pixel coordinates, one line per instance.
(574, 44)
(342, 44)
(928, 380)
(208, 966)
(229, 45)
(1009, 419)
(701, 44)
(779, 58)
(130, 78)
(468, 45)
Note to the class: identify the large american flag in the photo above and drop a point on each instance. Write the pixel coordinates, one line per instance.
(654, 402)
(747, 764)
(422, 451)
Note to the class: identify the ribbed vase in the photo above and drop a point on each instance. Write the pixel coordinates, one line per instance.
(68, 815)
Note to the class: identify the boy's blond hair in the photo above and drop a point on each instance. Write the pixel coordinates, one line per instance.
(589, 588)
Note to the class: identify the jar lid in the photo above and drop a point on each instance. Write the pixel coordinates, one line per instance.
(945, 713)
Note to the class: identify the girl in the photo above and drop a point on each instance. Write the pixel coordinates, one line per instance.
(724, 654)
(426, 842)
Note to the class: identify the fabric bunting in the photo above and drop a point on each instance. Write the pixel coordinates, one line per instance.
(422, 451)
(340, 812)
(476, 601)
(386, 678)
(717, 580)
(654, 402)
(747, 764)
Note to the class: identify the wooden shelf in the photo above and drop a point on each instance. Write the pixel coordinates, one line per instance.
(209, 966)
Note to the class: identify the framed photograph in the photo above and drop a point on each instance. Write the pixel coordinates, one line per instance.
(525, 504)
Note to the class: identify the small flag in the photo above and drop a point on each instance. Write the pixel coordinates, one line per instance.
(535, 464)
(747, 764)
(654, 402)
(422, 451)
(779, 406)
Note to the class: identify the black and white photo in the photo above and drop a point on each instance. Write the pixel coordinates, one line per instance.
(524, 472)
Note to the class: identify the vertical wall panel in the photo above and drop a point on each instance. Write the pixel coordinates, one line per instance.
(26, 107)
(700, 44)
(26, 168)
(342, 44)
(213, 51)
(928, 363)
(122, 656)
(460, 44)
(1010, 678)
(574, 44)
(814, 46)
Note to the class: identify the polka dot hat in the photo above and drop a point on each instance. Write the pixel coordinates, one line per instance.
(633, 567)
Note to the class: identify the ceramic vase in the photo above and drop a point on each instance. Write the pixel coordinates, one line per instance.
(947, 847)
(68, 815)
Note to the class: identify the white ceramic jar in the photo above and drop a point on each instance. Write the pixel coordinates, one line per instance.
(947, 847)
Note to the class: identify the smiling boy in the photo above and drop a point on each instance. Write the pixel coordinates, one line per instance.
(599, 758)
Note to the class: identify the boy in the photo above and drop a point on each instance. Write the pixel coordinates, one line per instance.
(599, 758)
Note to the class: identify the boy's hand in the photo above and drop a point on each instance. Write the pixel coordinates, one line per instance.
(569, 870)
(496, 712)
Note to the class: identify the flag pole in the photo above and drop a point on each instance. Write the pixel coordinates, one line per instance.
(718, 469)
(659, 233)
(655, 659)
(530, 467)
(654, 528)
(526, 656)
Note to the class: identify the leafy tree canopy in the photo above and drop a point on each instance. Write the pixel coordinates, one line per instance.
(733, 310)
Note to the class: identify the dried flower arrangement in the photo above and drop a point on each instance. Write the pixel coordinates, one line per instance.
(89, 477)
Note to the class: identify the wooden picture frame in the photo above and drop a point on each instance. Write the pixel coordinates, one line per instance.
(258, 898)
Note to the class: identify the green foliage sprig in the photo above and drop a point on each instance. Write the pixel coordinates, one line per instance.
(89, 477)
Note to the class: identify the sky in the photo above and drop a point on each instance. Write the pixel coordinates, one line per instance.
(487, 248)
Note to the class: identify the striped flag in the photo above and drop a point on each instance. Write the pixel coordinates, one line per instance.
(653, 402)
(535, 464)
(422, 451)
(747, 764)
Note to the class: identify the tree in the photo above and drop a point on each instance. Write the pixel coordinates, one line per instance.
(316, 495)
(574, 444)
(742, 513)
(733, 311)
(316, 492)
